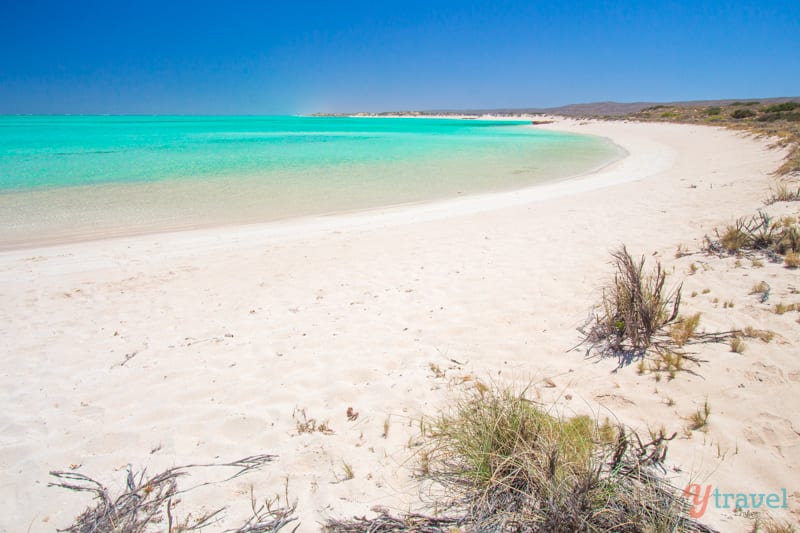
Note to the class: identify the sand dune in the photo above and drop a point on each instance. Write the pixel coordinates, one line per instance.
(210, 345)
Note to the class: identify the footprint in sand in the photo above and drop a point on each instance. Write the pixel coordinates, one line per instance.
(764, 373)
(776, 431)
(612, 400)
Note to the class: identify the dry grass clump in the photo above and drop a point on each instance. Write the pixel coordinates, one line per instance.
(635, 306)
(783, 193)
(684, 329)
(498, 462)
(149, 503)
(758, 233)
(762, 288)
(665, 361)
(764, 335)
(782, 308)
(699, 419)
(303, 424)
(792, 260)
(737, 344)
(764, 523)
(771, 525)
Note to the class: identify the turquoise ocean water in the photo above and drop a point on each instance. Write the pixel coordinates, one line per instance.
(74, 177)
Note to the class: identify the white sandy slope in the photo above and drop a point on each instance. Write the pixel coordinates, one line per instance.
(227, 334)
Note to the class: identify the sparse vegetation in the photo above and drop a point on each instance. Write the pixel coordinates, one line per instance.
(150, 503)
(771, 525)
(782, 308)
(783, 193)
(780, 121)
(764, 335)
(737, 344)
(497, 462)
(757, 233)
(347, 471)
(699, 419)
(684, 328)
(792, 260)
(633, 308)
(762, 288)
(303, 424)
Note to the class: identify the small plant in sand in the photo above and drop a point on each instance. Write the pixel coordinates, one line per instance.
(783, 308)
(684, 329)
(436, 370)
(149, 503)
(792, 260)
(783, 192)
(667, 361)
(764, 335)
(681, 251)
(634, 306)
(758, 233)
(737, 344)
(771, 525)
(761, 288)
(498, 462)
(347, 471)
(303, 424)
(699, 419)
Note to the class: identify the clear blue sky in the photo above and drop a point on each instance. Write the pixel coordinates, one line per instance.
(263, 57)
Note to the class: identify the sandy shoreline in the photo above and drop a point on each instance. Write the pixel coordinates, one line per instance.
(203, 346)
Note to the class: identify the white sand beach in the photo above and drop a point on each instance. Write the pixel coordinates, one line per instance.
(207, 346)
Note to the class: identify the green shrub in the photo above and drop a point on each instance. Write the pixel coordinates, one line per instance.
(773, 117)
(786, 106)
(507, 465)
(743, 113)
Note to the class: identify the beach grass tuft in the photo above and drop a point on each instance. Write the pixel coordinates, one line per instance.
(699, 419)
(783, 193)
(737, 344)
(634, 306)
(684, 328)
(498, 462)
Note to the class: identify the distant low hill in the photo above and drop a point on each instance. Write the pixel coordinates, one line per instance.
(615, 108)
(576, 110)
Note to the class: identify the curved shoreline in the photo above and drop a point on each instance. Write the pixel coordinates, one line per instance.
(639, 159)
(198, 206)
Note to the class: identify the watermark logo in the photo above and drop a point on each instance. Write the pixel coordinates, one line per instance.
(701, 495)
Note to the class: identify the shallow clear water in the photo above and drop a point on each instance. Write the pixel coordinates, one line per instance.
(84, 176)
